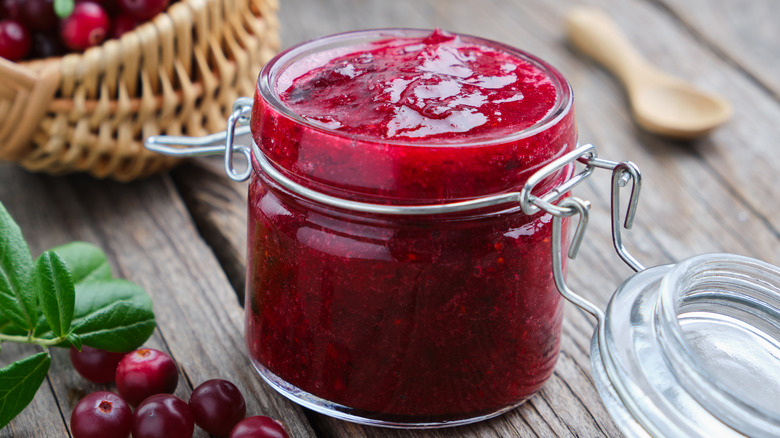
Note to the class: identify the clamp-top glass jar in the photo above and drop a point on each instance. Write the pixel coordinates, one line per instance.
(404, 317)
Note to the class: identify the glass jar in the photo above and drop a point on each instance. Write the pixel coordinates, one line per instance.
(393, 317)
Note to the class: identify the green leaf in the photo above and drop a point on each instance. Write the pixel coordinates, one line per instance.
(12, 329)
(114, 315)
(17, 300)
(75, 340)
(18, 384)
(86, 262)
(55, 290)
(63, 8)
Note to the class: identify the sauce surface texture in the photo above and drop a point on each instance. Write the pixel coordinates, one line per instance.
(436, 87)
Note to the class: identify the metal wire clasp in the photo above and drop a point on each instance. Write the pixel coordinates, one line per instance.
(531, 204)
(219, 143)
(570, 207)
(622, 173)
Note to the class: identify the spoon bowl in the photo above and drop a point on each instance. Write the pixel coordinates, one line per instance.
(660, 103)
(677, 110)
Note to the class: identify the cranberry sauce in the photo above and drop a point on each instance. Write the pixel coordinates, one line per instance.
(404, 318)
(374, 140)
(436, 89)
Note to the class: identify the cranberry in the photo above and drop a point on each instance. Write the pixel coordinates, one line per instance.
(163, 416)
(46, 45)
(14, 40)
(95, 365)
(101, 414)
(217, 406)
(259, 427)
(87, 26)
(145, 372)
(38, 14)
(9, 8)
(110, 6)
(123, 24)
(143, 9)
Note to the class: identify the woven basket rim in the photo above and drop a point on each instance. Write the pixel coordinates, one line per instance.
(177, 73)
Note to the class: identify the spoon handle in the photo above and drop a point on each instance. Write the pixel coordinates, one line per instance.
(594, 33)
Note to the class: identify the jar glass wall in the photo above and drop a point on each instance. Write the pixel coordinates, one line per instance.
(406, 321)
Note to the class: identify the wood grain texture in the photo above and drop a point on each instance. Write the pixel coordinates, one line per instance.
(219, 211)
(742, 32)
(184, 242)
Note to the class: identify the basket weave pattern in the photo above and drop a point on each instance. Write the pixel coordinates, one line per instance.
(178, 74)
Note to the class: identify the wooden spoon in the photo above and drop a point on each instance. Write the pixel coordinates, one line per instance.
(661, 103)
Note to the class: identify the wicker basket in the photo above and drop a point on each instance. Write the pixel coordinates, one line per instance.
(177, 74)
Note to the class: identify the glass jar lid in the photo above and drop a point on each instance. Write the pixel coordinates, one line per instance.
(693, 349)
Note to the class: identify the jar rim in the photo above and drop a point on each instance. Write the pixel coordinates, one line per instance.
(269, 76)
(744, 290)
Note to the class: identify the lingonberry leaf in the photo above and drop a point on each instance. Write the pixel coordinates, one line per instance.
(113, 315)
(75, 340)
(56, 294)
(17, 300)
(86, 262)
(5, 323)
(18, 384)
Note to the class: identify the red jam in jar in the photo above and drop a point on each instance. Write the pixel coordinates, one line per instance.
(392, 319)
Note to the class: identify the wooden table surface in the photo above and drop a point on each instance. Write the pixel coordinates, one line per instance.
(182, 235)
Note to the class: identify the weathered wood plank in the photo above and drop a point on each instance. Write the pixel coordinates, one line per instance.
(151, 240)
(219, 211)
(745, 32)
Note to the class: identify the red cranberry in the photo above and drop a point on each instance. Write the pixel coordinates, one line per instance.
(110, 6)
(259, 427)
(143, 9)
(145, 372)
(123, 24)
(38, 14)
(163, 416)
(217, 406)
(101, 414)
(15, 40)
(9, 9)
(95, 365)
(47, 45)
(87, 26)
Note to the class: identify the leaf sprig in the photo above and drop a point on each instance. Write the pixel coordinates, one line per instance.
(67, 297)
